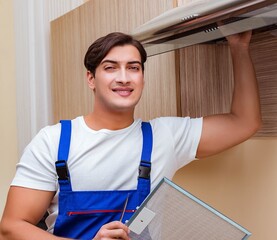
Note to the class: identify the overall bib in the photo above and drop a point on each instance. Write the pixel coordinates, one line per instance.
(82, 213)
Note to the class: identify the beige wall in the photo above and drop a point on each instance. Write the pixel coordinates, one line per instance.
(8, 139)
(241, 183)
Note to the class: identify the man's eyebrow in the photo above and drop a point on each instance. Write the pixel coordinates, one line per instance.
(134, 62)
(116, 62)
(109, 61)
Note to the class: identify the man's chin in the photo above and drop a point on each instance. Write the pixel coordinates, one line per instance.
(124, 109)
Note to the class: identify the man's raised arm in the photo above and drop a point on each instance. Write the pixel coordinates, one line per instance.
(223, 131)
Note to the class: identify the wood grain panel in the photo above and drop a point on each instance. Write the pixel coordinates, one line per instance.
(206, 79)
(160, 96)
(74, 32)
(184, 2)
(264, 55)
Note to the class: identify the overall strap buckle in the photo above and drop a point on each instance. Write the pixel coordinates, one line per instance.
(62, 170)
(144, 169)
(145, 163)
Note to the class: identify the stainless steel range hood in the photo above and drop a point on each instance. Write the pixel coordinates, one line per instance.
(205, 21)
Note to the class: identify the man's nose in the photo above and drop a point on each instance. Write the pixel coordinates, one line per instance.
(123, 76)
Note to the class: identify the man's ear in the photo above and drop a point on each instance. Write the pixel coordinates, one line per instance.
(90, 79)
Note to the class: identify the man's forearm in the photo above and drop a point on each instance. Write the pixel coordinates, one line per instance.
(20, 230)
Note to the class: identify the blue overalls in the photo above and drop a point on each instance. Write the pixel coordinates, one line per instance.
(82, 213)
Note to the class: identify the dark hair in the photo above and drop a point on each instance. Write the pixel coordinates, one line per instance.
(101, 47)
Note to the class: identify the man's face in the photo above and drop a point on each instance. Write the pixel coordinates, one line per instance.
(118, 80)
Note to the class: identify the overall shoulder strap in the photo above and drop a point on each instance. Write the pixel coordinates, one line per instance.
(65, 138)
(63, 152)
(146, 150)
(144, 181)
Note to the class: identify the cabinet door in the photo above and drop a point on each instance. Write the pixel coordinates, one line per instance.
(73, 33)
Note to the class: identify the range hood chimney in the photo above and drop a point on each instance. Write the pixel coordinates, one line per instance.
(205, 21)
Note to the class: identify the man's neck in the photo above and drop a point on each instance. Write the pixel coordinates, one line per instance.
(111, 121)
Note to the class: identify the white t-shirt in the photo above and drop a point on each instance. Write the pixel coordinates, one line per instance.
(106, 159)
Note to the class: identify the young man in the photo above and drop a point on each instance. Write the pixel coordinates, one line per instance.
(111, 153)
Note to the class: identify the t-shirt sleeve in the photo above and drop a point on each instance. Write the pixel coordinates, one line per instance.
(183, 135)
(36, 168)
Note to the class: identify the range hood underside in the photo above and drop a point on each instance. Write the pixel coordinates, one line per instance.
(252, 15)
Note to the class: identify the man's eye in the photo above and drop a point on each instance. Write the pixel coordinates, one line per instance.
(134, 68)
(109, 67)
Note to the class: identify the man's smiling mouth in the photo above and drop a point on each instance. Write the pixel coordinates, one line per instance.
(123, 91)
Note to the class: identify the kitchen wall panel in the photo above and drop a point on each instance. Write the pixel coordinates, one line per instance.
(207, 80)
(264, 55)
